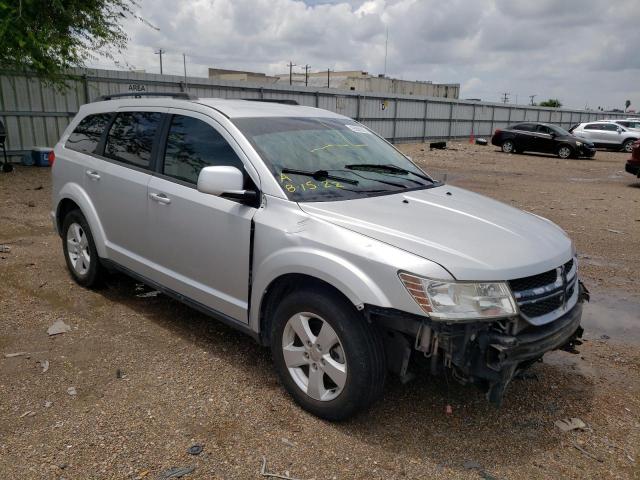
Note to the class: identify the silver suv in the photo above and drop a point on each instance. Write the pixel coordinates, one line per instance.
(607, 134)
(315, 236)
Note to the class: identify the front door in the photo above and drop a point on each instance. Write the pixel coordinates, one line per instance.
(199, 243)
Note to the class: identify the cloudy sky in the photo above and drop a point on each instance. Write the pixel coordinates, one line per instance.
(584, 52)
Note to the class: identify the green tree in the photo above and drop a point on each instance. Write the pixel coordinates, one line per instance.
(627, 104)
(552, 102)
(49, 36)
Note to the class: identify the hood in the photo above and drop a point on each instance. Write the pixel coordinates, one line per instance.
(574, 138)
(472, 236)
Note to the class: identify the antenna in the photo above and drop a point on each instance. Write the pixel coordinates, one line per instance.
(160, 52)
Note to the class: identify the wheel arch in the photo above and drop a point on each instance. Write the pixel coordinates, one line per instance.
(73, 197)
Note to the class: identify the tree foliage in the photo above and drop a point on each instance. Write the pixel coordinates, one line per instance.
(627, 104)
(50, 36)
(552, 102)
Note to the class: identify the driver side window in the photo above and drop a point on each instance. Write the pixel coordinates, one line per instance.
(192, 145)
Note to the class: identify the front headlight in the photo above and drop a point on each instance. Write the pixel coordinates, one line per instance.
(449, 300)
(578, 144)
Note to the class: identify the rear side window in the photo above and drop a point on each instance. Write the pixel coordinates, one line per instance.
(610, 127)
(192, 145)
(593, 126)
(526, 127)
(130, 138)
(86, 136)
(544, 129)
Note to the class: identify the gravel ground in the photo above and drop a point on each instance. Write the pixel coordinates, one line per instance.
(153, 377)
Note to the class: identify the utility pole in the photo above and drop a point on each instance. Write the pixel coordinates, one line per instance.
(291, 65)
(386, 45)
(306, 75)
(505, 97)
(184, 64)
(160, 52)
(328, 78)
(532, 97)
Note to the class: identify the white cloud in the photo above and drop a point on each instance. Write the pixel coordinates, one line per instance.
(582, 51)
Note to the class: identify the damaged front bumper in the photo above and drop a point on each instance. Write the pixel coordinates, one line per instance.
(487, 354)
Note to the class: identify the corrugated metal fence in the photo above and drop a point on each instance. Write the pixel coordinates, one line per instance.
(36, 114)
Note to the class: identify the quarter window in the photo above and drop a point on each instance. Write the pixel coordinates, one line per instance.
(192, 145)
(86, 136)
(131, 137)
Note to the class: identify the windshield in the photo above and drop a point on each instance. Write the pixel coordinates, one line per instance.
(321, 159)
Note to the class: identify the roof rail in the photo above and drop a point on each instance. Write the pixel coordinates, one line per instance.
(180, 95)
(284, 101)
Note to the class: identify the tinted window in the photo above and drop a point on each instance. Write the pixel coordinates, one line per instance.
(192, 145)
(131, 137)
(86, 136)
(593, 126)
(527, 127)
(610, 127)
(544, 129)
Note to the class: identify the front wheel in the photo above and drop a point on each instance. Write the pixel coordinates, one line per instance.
(628, 145)
(508, 146)
(564, 151)
(327, 356)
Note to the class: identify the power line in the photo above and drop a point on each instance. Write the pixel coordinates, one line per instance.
(505, 97)
(160, 52)
(306, 75)
(531, 97)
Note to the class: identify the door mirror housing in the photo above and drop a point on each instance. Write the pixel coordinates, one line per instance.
(225, 181)
(620, 130)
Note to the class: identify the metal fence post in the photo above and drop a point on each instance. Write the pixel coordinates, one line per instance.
(538, 117)
(473, 120)
(424, 127)
(317, 99)
(450, 119)
(85, 87)
(493, 116)
(395, 120)
(358, 109)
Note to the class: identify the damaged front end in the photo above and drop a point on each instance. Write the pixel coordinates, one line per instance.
(490, 353)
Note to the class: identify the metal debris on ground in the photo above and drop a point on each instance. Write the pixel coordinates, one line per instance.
(195, 449)
(58, 327)
(175, 472)
(151, 294)
(264, 473)
(72, 391)
(17, 354)
(120, 373)
(588, 454)
(45, 365)
(615, 231)
(5, 248)
(569, 424)
(28, 413)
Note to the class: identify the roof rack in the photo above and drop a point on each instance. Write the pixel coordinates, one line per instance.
(180, 95)
(284, 101)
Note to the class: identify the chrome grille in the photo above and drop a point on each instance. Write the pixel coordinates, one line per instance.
(546, 296)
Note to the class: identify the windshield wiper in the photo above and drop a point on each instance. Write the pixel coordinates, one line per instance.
(386, 168)
(319, 175)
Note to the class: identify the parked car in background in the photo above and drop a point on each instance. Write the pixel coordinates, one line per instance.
(607, 134)
(633, 164)
(542, 138)
(314, 235)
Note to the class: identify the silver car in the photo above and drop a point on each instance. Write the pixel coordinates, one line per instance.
(315, 236)
(607, 134)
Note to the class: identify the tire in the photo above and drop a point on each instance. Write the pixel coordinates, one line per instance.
(348, 376)
(564, 151)
(508, 146)
(628, 145)
(80, 251)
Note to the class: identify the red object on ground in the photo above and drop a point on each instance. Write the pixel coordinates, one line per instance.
(472, 138)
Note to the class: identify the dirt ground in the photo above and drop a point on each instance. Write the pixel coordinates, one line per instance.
(153, 377)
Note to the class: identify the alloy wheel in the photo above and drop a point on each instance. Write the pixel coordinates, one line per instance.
(314, 356)
(78, 249)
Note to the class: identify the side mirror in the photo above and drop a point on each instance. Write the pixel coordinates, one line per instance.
(619, 130)
(224, 181)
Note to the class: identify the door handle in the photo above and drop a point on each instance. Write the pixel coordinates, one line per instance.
(160, 198)
(93, 175)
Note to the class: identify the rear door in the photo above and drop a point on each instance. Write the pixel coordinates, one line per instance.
(119, 184)
(525, 137)
(200, 244)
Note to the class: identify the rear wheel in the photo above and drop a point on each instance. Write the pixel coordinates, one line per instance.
(564, 151)
(80, 250)
(628, 145)
(327, 356)
(508, 146)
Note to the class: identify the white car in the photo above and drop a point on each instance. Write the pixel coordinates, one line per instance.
(312, 234)
(607, 134)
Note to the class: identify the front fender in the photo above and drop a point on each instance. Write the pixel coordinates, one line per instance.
(77, 194)
(357, 286)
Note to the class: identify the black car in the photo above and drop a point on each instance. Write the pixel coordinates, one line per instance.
(543, 138)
